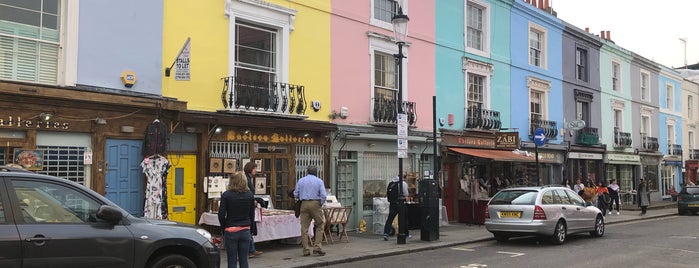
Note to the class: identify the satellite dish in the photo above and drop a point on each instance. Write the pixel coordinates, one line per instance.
(576, 124)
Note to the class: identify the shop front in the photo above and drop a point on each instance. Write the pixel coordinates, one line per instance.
(690, 167)
(584, 164)
(622, 167)
(670, 174)
(551, 163)
(650, 170)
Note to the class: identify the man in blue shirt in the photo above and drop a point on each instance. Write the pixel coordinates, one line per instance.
(311, 191)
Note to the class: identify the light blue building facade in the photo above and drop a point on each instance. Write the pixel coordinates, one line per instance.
(670, 117)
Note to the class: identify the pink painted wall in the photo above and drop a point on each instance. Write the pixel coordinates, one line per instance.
(351, 60)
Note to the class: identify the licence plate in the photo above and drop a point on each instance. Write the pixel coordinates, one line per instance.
(693, 205)
(510, 214)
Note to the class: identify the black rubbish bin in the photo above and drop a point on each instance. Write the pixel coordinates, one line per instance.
(429, 209)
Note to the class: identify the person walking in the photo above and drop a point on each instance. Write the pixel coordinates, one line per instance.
(311, 191)
(642, 196)
(613, 189)
(250, 170)
(393, 194)
(236, 214)
(579, 186)
(603, 198)
(590, 192)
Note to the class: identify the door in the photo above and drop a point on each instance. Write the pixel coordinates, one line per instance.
(279, 179)
(181, 188)
(11, 253)
(58, 228)
(124, 178)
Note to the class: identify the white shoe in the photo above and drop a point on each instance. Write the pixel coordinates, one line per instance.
(610, 213)
(617, 213)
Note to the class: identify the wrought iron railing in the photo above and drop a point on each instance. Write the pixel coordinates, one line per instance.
(650, 143)
(622, 139)
(588, 136)
(480, 118)
(674, 149)
(694, 154)
(277, 97)
(549, 127)
(386, 109)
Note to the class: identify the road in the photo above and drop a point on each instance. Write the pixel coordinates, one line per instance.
(666, 242)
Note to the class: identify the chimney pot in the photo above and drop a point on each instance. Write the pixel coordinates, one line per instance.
(541, 4)
(546, 4)
(601, 34)
(609, 35)
(587, 29)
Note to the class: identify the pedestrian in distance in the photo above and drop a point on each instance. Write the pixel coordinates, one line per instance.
(579, 186)
(250, 170)
(393, 194)
(614, 189)
(236, 214)
(603, 198)
(311, 191)
(642, 195)
(590, 192)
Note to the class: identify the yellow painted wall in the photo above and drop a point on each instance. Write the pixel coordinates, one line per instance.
(204, 22)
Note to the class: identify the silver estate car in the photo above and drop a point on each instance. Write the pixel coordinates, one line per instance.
(548, 211)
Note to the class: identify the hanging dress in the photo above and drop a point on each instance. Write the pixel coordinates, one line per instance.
(156, 169)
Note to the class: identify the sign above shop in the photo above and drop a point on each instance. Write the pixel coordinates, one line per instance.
(18, 122)
(507, 140)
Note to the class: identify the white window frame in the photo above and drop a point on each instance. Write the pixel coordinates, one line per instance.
(381, 43)
(690, 139)
(483, 69)
(543, 49)
(645, 125)
(670, 96)
(616, 75)
(536, 85)
(382, 24)
(645, 90)
(264, 14)
(618, 119)
(690, 106)
(582, 63)
(671, 133)
(485, 36)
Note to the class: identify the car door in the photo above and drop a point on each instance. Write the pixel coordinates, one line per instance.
(58, 227)
(568, 208)
(584, 216)
(10, 253)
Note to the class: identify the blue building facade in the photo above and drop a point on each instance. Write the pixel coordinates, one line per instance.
(670, 117)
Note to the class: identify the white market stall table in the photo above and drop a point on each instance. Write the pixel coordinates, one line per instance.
(275, 224)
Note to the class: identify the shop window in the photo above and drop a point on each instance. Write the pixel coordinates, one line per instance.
(379, 169)
(307, 155)
(64, 162)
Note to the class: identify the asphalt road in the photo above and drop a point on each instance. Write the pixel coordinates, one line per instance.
(666, 242)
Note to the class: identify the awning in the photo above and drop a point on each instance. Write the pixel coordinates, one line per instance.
(497, 155)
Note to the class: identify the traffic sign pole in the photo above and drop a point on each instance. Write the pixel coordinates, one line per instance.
(539, 140)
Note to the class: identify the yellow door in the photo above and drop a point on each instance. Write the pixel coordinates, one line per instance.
(181, 188)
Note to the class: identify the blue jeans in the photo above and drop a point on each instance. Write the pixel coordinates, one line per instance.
(252, 245)
(237, 244)
(392, 212)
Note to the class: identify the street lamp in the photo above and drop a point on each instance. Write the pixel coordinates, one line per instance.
(400, 29)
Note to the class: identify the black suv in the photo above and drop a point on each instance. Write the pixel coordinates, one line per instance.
(52, 222)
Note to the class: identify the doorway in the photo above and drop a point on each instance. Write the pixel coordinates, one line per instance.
(277, 171)
(181, 185)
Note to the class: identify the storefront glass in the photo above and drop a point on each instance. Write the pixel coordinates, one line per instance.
(623, 174)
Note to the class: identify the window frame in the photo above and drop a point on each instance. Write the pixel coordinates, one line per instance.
(481, 69)
(381, 23)
(644, 85)
(645, 125)
(542, 49)
(690, 106)
(671, 134)
(485, 30)
(618, 119)
(616, 76)
(581, 64)
(543, 87)
(670, 96)
(690, 139)
(381, 44)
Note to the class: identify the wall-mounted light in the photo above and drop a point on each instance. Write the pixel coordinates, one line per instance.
(218, 130)
(45, 116)
(305, 135)
(100, 121)
(246, 132)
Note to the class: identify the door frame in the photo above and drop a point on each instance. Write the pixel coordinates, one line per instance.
(271, 177)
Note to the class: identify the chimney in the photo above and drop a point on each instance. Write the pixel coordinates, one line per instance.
(533, 2)
(601, 34)
(541, 4)
(609, 35)
(587, 29)
(546, 5)
(526, 1)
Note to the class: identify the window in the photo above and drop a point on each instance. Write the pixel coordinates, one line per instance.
(616, 76)
(29, 40)
(670, 134)
(385, 77)
(690, 139)
(690, 106)
(645, 125)
(645, 83)
(385, 9)
(475, 92)
(536, 111)
(255, 53)
(582, 111)
(64, 162)
(477, 28)
(537, 46)
(669, 96)
(581, 64)
(538, 99)
(44, 202)
(618, 120)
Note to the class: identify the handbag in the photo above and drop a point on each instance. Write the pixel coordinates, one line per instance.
(297, 208)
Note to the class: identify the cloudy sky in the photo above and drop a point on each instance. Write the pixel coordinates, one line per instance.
(647, 27)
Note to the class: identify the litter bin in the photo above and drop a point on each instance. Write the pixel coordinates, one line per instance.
(429, 209)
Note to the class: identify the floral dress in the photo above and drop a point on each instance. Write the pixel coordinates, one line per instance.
(156, 169)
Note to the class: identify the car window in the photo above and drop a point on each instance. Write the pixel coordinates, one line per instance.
(560, 193)
(547, 198)
(2, 211)
(692, 190)
(575, 198)
(45, 202)
(514, 197)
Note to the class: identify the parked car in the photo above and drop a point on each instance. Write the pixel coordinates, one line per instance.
(552, 212)
(47, 221)
(688, 200)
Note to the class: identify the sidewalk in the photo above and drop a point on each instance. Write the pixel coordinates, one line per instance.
(369, 245)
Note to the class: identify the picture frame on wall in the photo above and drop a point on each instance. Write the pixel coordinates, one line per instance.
(29, 159)
(260, 185)
(258, 162)
(230, 166)
(216, 165)
(245, 162)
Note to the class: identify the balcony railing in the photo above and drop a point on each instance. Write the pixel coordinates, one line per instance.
(386, 110)
(550, 129)
(674, 149)
(694, 154)
(622, 139)
(480, 118)
(588, 136)
(650, 143)
(276, 97)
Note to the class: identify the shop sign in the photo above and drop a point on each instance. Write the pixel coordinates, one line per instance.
(623, 157)
(269, 138)
(182, 63)
(551, 157)
(507, 140)
(469, 141)
(691, 164)
(650, 161)
(592, 156)
(18, 122)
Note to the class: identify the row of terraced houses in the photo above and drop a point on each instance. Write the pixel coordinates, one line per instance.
(293, 83)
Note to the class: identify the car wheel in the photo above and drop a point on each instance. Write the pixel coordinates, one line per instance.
(501, 237)
(599, 227)
(559, 233)
(172, 261)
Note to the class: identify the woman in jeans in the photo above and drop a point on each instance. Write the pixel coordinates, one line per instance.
(235, 214)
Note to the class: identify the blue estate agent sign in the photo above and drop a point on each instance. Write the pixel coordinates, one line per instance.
(539, 137)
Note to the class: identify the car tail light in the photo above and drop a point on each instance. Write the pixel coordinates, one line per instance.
(487, 213)
(539, 213)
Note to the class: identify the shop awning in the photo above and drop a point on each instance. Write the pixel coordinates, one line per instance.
(497, 155)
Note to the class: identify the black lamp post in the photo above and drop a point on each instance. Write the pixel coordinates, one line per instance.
(400, 29)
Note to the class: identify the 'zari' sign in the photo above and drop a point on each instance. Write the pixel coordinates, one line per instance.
(11, 122)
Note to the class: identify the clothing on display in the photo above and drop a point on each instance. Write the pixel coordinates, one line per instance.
(156, 139)
(156, 169)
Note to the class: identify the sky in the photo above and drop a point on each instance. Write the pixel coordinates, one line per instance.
(649, 28)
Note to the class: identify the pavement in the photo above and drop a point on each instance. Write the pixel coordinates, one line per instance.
(362, 246)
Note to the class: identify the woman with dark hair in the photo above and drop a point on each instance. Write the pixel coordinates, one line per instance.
(643, 196)
(235, 214)
(250, 170)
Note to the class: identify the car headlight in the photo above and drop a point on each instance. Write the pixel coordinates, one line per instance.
(205, 234)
